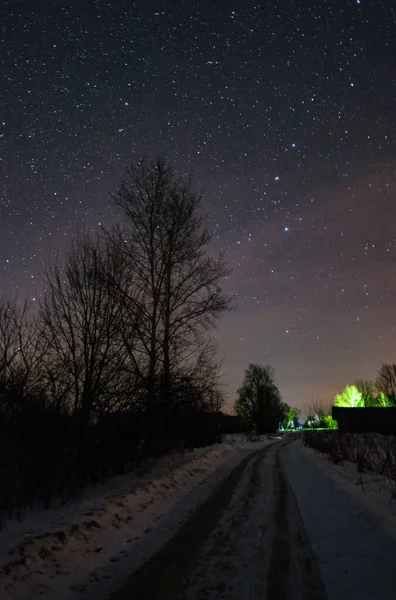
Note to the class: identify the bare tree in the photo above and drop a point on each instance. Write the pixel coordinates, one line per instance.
(386, 382)
(176, 283)
(201, 388)
(81, 324)
(9, 340)
(139, 328)
(56, 386)
(19, 346)
(317, 408)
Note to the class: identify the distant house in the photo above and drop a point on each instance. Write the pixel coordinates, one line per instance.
(361, 420)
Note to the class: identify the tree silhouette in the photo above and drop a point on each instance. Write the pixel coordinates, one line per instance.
(20, 351)
(175, 283)
(259, 400)
(81, 324)
(386, 382)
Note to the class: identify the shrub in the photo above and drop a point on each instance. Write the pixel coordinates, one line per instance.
(328, 422)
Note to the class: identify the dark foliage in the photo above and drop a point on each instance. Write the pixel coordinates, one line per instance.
(259, 403)
(41, 458)
(116, 366)
(386, 382)
(370, 452)
(233, 424)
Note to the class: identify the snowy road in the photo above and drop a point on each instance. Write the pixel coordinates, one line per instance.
(245, 542)
(248, 519)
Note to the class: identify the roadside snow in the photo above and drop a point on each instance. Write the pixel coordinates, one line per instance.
(85, 549)
(350, 522)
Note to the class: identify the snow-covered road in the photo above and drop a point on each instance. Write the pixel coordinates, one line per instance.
(295, 527)
(87, 548)
(246, 542)
(253, 520)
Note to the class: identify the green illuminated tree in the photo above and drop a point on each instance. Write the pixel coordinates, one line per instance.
(290, 416)
(350, 398)
(382, 401)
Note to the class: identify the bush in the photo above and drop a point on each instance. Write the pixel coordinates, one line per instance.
(328, 422)
(370, 452)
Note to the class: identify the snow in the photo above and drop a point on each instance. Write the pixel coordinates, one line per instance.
(234, 560)
(86, 548)
(350, 521)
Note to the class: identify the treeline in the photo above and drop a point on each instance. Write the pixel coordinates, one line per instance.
(114, 364)
(380, 393)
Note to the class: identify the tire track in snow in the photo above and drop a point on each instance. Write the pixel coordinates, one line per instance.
(245, 542)
(293, 573)
(162, 576)
(259, 549)
(233, 562)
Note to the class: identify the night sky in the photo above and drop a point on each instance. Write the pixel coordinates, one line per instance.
(285, 115)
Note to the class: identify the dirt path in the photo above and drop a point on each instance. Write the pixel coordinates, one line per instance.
(246, 542)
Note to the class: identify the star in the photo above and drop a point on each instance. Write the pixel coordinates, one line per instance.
(278, 117)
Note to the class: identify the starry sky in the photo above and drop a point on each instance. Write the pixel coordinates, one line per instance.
(284, 113)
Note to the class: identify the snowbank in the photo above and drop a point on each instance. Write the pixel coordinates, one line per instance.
(84, 550)
(350, 522)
